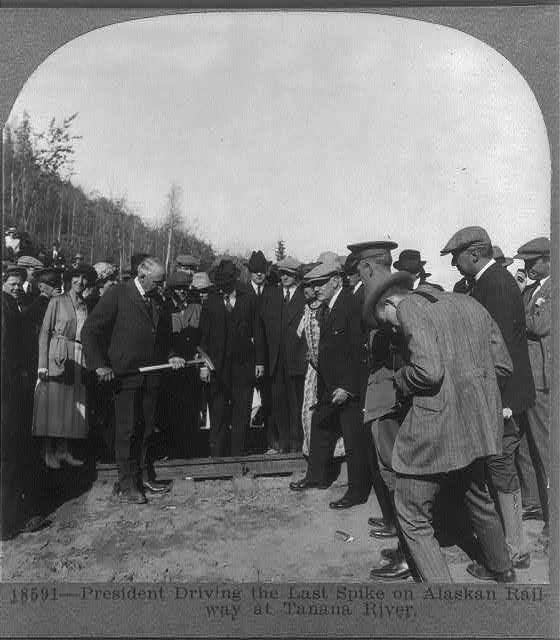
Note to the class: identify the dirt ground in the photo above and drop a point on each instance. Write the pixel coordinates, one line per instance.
(246, 530)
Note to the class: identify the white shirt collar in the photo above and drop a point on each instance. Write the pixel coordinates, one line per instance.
(333, 299)
(357, 286)
(484, 268)
(139, 287)
(256, 287)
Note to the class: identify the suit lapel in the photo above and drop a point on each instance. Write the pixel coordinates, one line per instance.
(292, 306)
(135, 296)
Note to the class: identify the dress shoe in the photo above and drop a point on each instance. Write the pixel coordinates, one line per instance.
(482, 573)
(155, 487)
(393, 571)
(346, 502)
(130, 496)
(51, 461)
(522, 562)
(532, 513)
(68, 458)
(376, 522)
(304, 484)
(386, 531)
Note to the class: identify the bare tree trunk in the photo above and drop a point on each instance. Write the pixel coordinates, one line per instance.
(73, 219)
(59, 234)
(168, 252)
(12, 215)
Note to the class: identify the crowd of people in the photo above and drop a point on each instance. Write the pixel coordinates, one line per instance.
(425, 393)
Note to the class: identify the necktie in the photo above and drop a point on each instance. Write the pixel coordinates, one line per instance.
(286, 296)
(227, 302)
(148, 305)
(259, 290)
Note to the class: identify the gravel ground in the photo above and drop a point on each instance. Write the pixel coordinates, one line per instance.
(244, 530)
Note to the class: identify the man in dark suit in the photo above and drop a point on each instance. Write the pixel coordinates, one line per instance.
(126, 330)
(338, 391)
(228, 323)
(258, 285)
(449, 386)
(495, 288)
(538, 314)
(281, 311)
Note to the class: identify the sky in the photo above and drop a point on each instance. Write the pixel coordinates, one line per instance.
(321, 129)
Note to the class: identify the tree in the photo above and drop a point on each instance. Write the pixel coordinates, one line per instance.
(173, 219)
(280, 250)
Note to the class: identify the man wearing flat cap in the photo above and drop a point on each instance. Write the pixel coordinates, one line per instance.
(338, 391)
(281, 310)
(538, 315)
(30, 289)
(228, 325)
(495, 288)
(448, 385)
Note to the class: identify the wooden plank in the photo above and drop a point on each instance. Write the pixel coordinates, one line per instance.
(207, 468)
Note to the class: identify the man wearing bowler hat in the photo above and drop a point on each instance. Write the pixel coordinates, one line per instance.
(281, 310)
(228, 325)
(495, 288)
(538, 315)
(338, 390)
(409, 260)
(449, 387)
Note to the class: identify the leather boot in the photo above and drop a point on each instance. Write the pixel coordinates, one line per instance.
(512, 515)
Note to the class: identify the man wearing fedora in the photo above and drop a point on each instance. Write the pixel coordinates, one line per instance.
(496, 290)
(449, 387)
(228, 325)
(281, 310)
(409, 261)
(338, 391)
(538, 314)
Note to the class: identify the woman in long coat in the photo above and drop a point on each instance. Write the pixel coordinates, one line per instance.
(60, 397)
(309, 325)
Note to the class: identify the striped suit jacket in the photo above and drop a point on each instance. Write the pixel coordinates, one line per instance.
(455, 352)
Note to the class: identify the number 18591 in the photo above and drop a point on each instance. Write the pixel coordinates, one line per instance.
(24, 595)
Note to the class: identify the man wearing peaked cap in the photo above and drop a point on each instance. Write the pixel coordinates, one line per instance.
(373, 263)
(281, 310)
(495, 288)
(538, 315)
(338, 390)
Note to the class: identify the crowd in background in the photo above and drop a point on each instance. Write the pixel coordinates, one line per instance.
(333, 359)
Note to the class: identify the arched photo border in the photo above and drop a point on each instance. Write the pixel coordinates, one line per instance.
(528, 36)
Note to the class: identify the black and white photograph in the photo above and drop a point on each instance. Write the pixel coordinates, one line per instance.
(279, 308)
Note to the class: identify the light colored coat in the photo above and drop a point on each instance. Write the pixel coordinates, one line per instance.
(57, 334)
(538, 315)
(455, 350)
